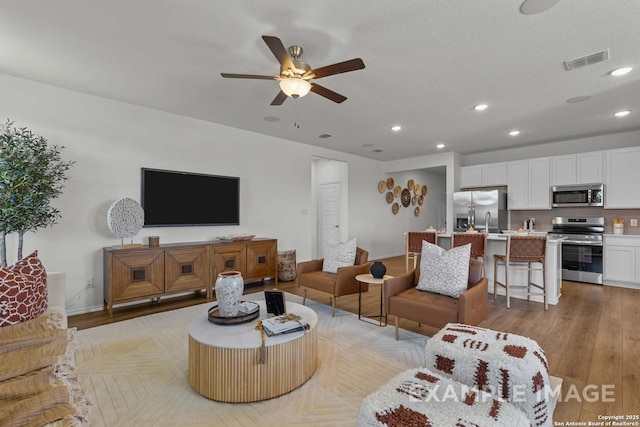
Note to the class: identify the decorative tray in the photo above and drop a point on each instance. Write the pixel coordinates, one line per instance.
(236, 237)
(249, 310)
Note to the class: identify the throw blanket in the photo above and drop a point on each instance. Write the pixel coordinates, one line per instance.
(38, 384)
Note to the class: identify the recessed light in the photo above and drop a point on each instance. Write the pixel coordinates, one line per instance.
(480, 107)
(440, 146)
(577, 99)
(623, 113)
(621, 71)
(396, 128)
(514, 133)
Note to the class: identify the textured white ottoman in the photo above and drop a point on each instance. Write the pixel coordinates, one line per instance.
(419, 397)
(511, 367)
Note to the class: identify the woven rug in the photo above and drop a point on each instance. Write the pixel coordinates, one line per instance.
(136, 372)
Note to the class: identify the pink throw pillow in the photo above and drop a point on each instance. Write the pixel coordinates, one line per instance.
(23, 290)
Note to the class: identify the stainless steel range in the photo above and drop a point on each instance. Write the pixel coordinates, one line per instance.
(581, 247)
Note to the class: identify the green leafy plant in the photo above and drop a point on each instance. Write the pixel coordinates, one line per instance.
(32, 174)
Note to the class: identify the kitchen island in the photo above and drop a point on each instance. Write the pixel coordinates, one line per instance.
(497, 244)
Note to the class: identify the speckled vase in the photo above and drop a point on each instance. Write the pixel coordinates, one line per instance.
(229, 288)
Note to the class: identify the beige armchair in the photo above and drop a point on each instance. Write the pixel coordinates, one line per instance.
(311, 276)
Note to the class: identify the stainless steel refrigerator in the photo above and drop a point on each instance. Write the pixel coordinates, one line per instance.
(480, 209)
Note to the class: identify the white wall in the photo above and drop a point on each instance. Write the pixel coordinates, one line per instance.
(110, 141)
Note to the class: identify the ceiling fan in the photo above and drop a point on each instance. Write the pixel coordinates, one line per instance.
(295, 75)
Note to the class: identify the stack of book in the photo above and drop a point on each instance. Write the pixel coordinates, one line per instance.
(284, 324)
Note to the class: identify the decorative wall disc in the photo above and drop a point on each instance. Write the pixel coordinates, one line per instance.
(424, 190)
(405, 197)
(125, 217)
(389, 197)
(395, 208)
(410, 184)
(420, 200)
(414, 200)
(397, 191)
(416, 211)
(382, 186)
(416, 189)
(389, 183)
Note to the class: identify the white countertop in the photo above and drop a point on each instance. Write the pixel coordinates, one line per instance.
(621, 235)
(503, 237)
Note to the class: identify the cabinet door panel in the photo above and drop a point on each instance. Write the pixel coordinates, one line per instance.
(589, 168)
(539, 192)
(620, 263)
(262, 260)
(471, 176)
(228, 257)
(623, 175)
(494, 174)
(186, 269)
(563, 170)
(137, 274)
(518, 185)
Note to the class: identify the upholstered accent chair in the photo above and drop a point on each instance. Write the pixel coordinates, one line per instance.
(311, 276)
(413, 248)
(403, 300)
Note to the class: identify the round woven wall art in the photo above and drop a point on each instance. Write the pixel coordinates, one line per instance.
(125, 217)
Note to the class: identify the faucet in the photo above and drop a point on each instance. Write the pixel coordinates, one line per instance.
(487, 220)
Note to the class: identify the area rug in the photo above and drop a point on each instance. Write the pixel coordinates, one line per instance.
(136, 373)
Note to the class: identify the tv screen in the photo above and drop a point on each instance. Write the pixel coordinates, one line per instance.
(173, 199)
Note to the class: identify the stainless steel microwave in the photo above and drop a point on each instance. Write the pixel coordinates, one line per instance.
(563, 196)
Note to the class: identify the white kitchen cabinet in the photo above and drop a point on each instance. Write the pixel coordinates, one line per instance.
(518, 184)
(621, 259)
(563, 170)
(494, 174)
(487, 175)
(622, 175)
(581, 168)
(589, 167)
(528, 184)
(471, 176)
(539, 194)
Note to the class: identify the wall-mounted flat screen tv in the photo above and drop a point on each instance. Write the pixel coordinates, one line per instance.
(182, 199)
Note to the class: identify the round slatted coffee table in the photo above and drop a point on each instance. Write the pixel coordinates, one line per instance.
(224, 359)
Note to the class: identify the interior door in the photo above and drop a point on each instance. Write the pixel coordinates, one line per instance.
(329, 214)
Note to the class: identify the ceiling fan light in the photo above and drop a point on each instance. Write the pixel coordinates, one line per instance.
(295, 87)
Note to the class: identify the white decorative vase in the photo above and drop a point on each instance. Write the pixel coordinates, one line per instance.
(229, 288)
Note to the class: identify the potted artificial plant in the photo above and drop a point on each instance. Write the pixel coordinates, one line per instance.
(32, 174)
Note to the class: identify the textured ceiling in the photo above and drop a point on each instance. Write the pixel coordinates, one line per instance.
(427, 64)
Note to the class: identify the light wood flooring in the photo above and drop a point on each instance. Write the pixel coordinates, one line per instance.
(591, 338)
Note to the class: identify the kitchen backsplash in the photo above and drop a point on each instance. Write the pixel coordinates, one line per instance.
(543, 218)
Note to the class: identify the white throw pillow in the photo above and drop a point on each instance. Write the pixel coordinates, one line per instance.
(444, 272)
(339, 255)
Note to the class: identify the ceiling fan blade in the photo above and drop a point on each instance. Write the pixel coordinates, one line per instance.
(247, 76)
(340, 67)
(279, 51)
(279, 99)
(327, 93)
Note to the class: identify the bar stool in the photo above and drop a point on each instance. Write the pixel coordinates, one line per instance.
(414, 245)
(522, 252)
(478, 245)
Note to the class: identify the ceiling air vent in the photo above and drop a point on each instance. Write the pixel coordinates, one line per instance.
(325, 135)
(594, 58)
